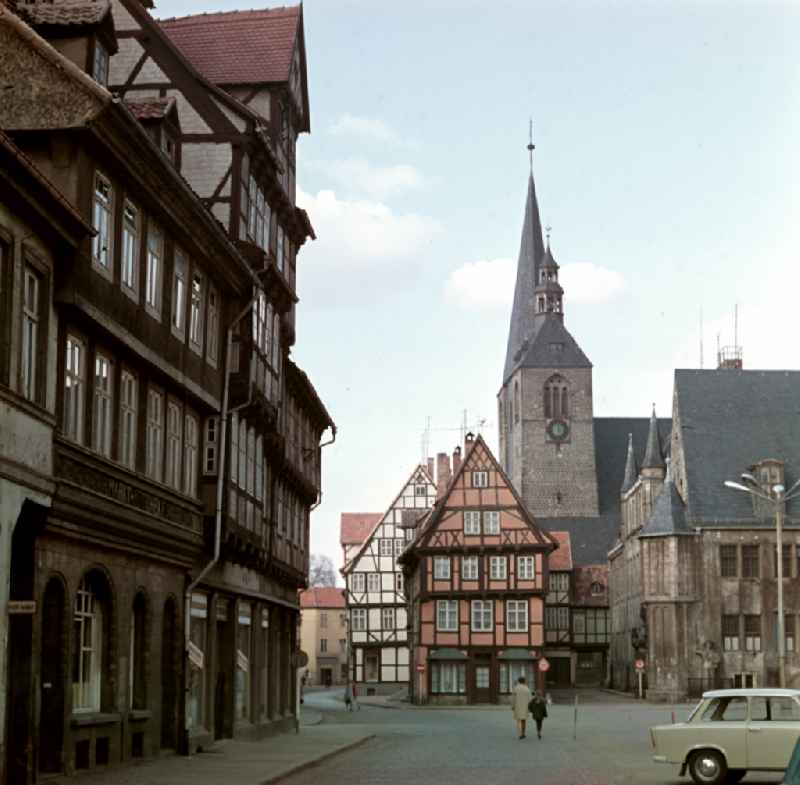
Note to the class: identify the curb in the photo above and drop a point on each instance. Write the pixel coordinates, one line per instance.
(311, 763)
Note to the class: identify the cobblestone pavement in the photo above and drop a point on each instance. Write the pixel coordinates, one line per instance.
(480, 747)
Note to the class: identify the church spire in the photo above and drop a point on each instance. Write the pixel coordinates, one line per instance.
(631, 470)
(531, 250)
(654, 454)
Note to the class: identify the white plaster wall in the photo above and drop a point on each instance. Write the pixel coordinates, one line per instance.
(122, 63)
(191, 121)
(150, 73)
(204, 165)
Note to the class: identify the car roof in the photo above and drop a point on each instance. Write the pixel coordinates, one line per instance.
(762, 692)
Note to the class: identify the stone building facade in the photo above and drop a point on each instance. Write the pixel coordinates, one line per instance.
(164, 534)
(323, 636)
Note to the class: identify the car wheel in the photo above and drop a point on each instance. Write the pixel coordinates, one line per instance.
(735, 775)
(708, 767)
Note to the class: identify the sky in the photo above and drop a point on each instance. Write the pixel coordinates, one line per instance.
(666, 163)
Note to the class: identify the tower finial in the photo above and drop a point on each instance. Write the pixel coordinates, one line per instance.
(531, 145)
(547, 230)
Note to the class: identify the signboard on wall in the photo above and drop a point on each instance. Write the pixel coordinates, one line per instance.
(21, 607)
(196, 656)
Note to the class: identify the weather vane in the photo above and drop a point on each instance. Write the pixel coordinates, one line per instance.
(531, 145)
(547, 230)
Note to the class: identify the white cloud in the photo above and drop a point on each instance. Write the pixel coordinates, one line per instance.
(358, 175)
(370, 127)
(489, 284)
(359, 232)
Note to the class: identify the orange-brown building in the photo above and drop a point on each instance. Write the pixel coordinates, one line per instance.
(475, 576)
(323, 635)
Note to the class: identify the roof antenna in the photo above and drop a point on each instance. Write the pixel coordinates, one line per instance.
(531, 145)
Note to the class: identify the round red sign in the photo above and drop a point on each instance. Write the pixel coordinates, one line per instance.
(639, 665)
(420, 668)
(544, 665)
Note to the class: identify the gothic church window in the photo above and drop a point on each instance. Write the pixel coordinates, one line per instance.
(516, 401)
(556, 398)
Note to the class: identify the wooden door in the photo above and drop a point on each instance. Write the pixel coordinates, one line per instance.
(51, 721)
(482, 679)
(372, 661)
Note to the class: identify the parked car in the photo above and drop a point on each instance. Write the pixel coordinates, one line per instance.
(731, 732)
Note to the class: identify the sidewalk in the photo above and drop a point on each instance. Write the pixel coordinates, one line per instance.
(236, 762)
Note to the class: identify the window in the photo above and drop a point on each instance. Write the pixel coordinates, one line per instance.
(516, 401)
(480, 479)
(398, 547)
(242, 675)
(265, 663)
(498, 568)
(100, 63)
(510, 673)
(788, 633)
(373, 581)
(130, 248)
(469, 568)
(87, 660)
(30, 334)
(441, 567)
(196, 313)
(279, 253)
(138, 654)
(556, 618)
(386, 547)
(516, 615)
(398, 582)
(726, 710)
(359, 619)
(190, 447)
(197, 645)
(447, 615)
(103, 406)
(558, 582)
(387, 618)
(728, 561)
(750, 566)
(155, 265)
(597, 589)
(730, 633)
(482, 615)
(343, 649)
(752, 633)
(213, 326)
(784, 710)
(102, 222)
(323, 645)
(526, 568)
(420, 490)
(556, 398)
(472, 522)
(357, 582)
(491, 522)
(74, 385)
(179, 293)
(155, 434)
(210, 455)
(786, 566)
(173, 477)
(323, 619)
(127, 417)
(448, 677)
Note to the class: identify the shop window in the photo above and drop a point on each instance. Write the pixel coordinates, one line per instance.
(90, 660)
(198, 638)
(448, 678)
(243, 642)
(510, 673)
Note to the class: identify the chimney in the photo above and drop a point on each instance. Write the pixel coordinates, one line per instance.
(456, 459)
(430, 467)
(442, 473)
(469, 440)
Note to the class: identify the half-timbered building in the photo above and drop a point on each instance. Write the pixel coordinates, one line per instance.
(476, 575)
(376, 603)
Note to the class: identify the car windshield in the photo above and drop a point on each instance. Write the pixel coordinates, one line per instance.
(694, 711)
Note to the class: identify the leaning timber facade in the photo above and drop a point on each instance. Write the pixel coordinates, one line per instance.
(162, 537)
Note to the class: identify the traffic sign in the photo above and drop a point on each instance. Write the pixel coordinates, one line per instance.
(639, 665)
(544, 665)
(420, 668)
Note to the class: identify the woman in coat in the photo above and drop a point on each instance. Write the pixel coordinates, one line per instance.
(520, 698)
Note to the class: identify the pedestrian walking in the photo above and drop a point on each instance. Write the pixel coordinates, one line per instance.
(538, 710)
(520, 698)
(348, 697)
(356, 704)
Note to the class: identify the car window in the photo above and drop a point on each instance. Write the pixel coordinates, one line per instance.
(758, 709)
(784, 710)
(726, 710)
(694, 712)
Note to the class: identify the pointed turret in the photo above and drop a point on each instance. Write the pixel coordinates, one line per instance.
(668, 517)
(654, 454)
(631, 470)
(531, 250)
(548, 292)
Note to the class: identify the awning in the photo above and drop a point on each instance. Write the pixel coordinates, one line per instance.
(448, 654)
(517, 654)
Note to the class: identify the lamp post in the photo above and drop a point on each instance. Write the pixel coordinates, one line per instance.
(777, 495)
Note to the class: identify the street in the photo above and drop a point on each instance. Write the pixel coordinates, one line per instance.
(479, 746)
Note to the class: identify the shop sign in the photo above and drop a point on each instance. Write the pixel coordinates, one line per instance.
(196, 656)
(21, 607)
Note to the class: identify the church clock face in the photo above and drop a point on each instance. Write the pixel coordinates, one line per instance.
(558, 430)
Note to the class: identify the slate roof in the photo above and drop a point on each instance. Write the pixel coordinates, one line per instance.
(592, 538)
(654, 454)
(731, 419)
(65, 12)
(668, 516)
(631, 469)
(154, 109)
(356, 526)
(322, 597)
(552, 346)
(238, 47)
(561, 557)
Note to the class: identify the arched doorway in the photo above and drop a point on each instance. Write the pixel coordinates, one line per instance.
(169, 676)
(51, 721)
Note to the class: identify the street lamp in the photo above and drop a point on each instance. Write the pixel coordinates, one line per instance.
(778, 498)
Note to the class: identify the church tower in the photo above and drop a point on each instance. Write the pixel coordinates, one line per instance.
(545, 402)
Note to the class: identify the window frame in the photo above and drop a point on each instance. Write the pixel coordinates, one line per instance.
(173, 475)
(74, 429)
(191, 451)
(523, 573)
(358, 620)
(751, 567)
(34, 323)
(439, 562)
(491, 517)
(130, 250)
(154, 269)
(472, 522)
(373, 580)
(390, 615)
(728, 560)
(103, 224)
(360, 579)
(212, 326)
(447, 615)
(495, 571)
(472, 561)
(480, 478)
(478, 611)
(197, 307)
(128, 418)
(103, 406)
(180, 289)
(514, 610)
(155, 431)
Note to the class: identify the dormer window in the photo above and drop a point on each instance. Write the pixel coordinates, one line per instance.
(100, 63)
(597, 589)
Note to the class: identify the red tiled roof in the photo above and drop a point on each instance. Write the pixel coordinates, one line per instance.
(65, 12)
(155, 109)
(322, 597)
(356, 526)
(238, 47)
(561, 557)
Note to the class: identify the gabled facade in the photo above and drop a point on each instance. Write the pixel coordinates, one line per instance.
(323, 636)
(376, 599)
(476, 575)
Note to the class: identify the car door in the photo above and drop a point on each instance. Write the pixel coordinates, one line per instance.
(723, 725)
(772, 731)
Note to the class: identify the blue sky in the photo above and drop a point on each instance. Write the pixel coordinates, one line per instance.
(666, 162)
